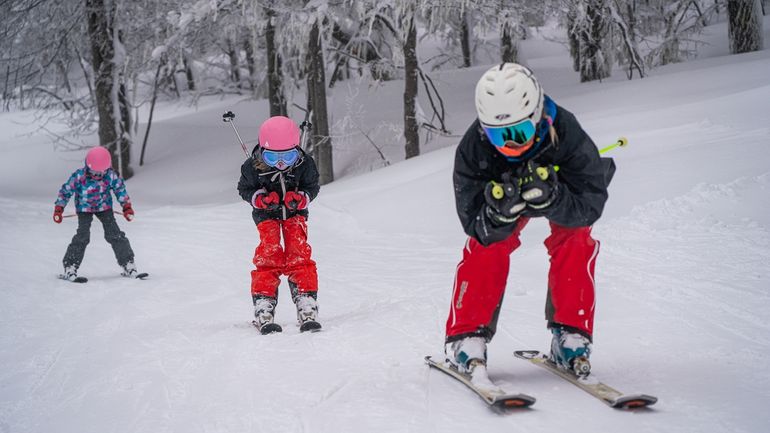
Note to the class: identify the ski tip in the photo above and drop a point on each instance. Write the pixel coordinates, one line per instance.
(270, 328)
(142, 276)
(518, 401)
(311, 326)
(527, 354)
(631, 402)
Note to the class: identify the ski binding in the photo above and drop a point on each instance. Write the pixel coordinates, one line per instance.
(589, 383)
(478, 381)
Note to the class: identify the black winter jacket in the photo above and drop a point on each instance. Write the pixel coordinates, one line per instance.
(583, 175)
(255, 175)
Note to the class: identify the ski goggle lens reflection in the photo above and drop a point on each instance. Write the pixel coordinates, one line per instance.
(518, 134)
(273, 158)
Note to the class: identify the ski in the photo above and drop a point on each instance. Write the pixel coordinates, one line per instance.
(268, 328)
(310, 326)
(141, 276)
(478, 381)
(589, 384)
(73, 280)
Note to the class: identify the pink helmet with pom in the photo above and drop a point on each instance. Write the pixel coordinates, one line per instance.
(98, 159)
(279, 133)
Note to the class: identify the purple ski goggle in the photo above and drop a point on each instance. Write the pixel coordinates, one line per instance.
(280, 159)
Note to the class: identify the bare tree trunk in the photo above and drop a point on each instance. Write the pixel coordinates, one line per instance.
(465, 39)
(188, 73)
(574, 40)
(508, 47)
(316, 80)
(152, 110)
(744, 26)
(251, 62)
(235, 71)
(101, 21)
(411, 71)
(274, 74)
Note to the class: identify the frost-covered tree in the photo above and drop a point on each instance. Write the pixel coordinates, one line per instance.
(588, 29)
(744, 25)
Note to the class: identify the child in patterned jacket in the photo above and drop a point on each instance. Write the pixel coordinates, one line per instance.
(92, 186)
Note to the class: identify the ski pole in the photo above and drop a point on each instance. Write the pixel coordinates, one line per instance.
(74, 214)
(228, 117)
(304, 126)
(542, 172)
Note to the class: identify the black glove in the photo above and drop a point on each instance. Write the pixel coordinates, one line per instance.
(539, 185)
(503, 200)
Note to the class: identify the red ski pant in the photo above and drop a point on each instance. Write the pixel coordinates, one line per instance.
(292, 259)
(481, 276)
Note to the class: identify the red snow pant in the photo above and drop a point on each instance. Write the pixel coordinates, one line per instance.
(293, 259)
(481, 276)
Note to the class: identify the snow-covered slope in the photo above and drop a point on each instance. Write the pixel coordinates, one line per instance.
(682, 278)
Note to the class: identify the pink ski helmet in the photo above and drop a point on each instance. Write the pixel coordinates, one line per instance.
(98, 159)
(278, 133)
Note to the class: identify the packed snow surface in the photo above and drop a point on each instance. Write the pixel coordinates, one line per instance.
(682, 277)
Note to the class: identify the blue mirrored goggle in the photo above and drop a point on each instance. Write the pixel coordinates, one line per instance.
(518, 134)
(280, 159)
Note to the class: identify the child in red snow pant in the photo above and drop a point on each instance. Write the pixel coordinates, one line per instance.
(482, 274)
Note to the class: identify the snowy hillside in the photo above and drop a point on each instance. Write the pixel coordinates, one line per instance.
(682, 278)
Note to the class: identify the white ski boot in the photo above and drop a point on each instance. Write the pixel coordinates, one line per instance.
(467, 353)
(264, 307)
(307, 312)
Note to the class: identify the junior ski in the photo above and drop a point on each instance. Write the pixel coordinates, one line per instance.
(589, 384)
(478, 381)
(73, 278)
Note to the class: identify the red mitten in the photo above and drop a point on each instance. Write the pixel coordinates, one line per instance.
(295, 200)
(57, 214)
(128, 212)
(265, 200)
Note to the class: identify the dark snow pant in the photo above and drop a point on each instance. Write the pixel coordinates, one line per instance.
(482, 275)
(112, 234)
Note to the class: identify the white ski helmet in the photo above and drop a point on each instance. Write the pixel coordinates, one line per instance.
(508, 93)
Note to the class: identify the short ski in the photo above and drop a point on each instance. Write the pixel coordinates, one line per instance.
(73, 280)
(480, 383)
(310, 326)
(268, 328)
(589, 384)
(141, 276)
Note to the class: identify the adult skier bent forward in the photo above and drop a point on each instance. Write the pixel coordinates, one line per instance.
(525, 157)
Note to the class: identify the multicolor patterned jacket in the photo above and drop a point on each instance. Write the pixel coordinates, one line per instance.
(93, 195)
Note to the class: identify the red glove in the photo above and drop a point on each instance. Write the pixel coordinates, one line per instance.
(265, 200)
(128, 213)
(57, 214)
(296, 200)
